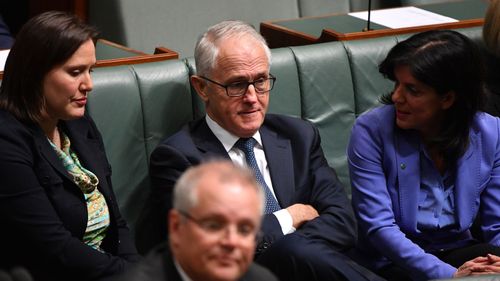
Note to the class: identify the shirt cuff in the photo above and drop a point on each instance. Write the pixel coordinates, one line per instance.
(285, 220)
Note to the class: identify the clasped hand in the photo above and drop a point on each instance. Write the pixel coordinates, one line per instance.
(479, 266)
(302, 213)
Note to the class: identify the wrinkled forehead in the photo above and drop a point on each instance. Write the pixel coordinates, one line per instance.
(236, 57)
(241, 44)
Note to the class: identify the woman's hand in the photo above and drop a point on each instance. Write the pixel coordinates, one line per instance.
(492, 266)
(473, 266)
(479, 266)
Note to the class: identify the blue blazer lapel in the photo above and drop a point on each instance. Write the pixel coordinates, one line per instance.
(467, 183)
(206, 142)
(278, 153)
(408, 175)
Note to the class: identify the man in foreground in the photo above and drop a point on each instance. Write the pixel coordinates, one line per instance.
(212, 229)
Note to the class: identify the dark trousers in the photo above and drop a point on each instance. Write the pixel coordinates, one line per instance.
(298, 258)
(455, 257)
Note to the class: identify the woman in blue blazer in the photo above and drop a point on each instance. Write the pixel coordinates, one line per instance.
(58, 214)
(426, 166)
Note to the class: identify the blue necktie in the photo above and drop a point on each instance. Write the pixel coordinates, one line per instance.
(246, 145)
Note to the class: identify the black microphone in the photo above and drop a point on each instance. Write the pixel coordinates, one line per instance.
(367, 28)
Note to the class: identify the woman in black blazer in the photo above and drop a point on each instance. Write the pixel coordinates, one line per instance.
(58, 213)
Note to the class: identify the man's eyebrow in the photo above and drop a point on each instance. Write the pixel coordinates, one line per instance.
(241, 78)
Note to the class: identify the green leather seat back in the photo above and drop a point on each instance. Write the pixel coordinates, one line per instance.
(285, 97)
(166, 99)
(116, 107)
(198, 106)
(328, 98)
(365, 56)
(474, 33)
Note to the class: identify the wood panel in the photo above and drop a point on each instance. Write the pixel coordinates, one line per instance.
(318, 29)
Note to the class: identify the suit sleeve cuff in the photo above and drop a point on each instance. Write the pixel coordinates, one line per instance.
(285, 220)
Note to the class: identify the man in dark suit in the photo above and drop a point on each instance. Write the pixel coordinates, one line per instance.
(308, 221)
(213, 228)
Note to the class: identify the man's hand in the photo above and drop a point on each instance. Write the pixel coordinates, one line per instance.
(301, 214)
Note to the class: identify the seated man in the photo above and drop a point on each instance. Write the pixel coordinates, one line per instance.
(308, 219)
(212, 229)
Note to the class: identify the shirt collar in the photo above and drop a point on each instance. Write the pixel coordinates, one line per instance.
(226, 138)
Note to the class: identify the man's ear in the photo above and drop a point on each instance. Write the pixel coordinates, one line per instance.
(200, 86)
(448, 100)
(174, 222)
(173, 219)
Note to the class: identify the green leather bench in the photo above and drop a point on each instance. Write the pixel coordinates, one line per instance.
(330, 84)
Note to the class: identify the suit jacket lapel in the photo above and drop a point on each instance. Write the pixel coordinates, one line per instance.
(466, 183)
(278, 153)
(408, 174)
(208, 144)
(88, 151)
(48, 152)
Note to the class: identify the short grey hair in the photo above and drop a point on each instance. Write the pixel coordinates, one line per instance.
(207, 46)
(185, 190)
